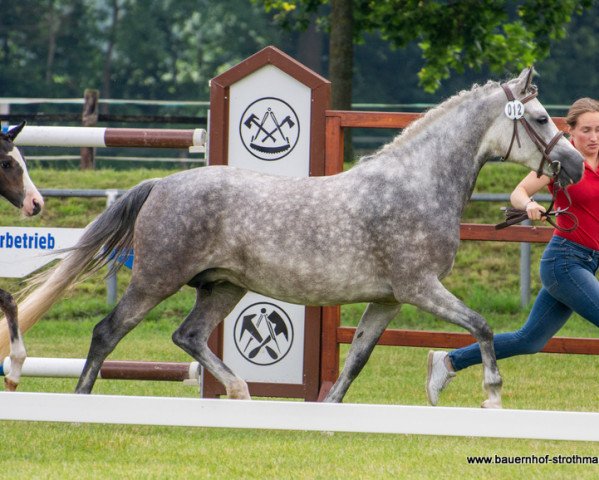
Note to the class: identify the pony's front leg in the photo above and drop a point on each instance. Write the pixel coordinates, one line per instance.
(436, 299)
(375, 319)
(17, 347)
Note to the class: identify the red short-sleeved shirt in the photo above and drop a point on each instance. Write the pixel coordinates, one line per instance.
(585, 205)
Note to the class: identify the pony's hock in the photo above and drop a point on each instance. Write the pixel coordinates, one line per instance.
(367, 230)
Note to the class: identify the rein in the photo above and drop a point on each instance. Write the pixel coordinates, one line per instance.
(515, 110)
(515, 215)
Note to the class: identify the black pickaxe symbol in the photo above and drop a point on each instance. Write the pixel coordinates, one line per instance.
(248, 326)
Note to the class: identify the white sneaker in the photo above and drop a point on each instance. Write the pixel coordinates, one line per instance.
(438, 376)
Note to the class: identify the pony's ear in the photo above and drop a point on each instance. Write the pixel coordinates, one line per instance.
(13, 132)
(525, 79)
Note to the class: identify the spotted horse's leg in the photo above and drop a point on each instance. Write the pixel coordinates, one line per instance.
(436, 299)
(213, 304)
(135, 303)
(375, 319)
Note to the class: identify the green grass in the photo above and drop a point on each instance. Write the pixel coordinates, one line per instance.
(485, 276)
(392, 376)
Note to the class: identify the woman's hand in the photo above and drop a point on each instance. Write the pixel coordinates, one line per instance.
(535, 210)
(521, 196)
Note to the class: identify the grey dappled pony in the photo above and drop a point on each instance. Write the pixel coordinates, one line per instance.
(18, 189)
(385, 232)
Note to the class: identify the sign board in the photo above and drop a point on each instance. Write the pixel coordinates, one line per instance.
(23, 250)
(264, 340)
(267, 114)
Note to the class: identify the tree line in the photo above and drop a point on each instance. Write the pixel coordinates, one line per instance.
(170, 49)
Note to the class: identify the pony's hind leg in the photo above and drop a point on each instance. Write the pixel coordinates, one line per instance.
(131, 309)
(374, 320)
(213, 304)
(17, 347)
(436, 299)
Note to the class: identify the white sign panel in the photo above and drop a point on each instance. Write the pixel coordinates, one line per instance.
(269, 132)
(269, 123)
(23, 250)
(264, 339)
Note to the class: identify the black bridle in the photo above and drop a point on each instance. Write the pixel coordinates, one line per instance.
(515, 110)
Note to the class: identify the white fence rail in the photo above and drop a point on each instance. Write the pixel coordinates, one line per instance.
(194, 139)
(279, 415)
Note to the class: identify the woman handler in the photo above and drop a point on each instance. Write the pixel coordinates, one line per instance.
(568, 265)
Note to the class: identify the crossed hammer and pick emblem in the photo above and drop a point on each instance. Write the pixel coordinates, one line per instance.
(268, 332)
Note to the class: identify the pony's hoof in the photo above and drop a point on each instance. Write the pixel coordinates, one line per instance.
(9, 385)
(331, 400)
(489, 404)
(239, 392)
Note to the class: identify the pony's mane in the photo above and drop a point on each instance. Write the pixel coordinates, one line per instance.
(432, 114)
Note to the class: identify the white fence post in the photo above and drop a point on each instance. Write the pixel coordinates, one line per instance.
(111, 280)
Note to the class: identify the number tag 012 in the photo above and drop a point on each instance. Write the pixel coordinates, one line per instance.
(514, 109)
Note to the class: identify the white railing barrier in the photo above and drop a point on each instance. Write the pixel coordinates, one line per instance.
(32, 136)
(303, 416)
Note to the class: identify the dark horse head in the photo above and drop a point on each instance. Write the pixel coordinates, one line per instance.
(15, 184)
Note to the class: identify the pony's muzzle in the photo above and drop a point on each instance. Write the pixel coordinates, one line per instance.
(33, 204)
(37, 208)
(569, 168)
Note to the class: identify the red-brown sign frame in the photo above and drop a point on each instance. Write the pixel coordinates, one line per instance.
(218, 155)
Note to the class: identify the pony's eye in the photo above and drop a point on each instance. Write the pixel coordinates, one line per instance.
(5, 164)
(542, 120)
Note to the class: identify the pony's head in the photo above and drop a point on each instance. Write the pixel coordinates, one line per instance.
(524, 133)
(15, 184)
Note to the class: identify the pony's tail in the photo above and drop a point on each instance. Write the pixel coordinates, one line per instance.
(108, 235)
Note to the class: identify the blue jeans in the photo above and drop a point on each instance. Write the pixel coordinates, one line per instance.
(569, 284)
